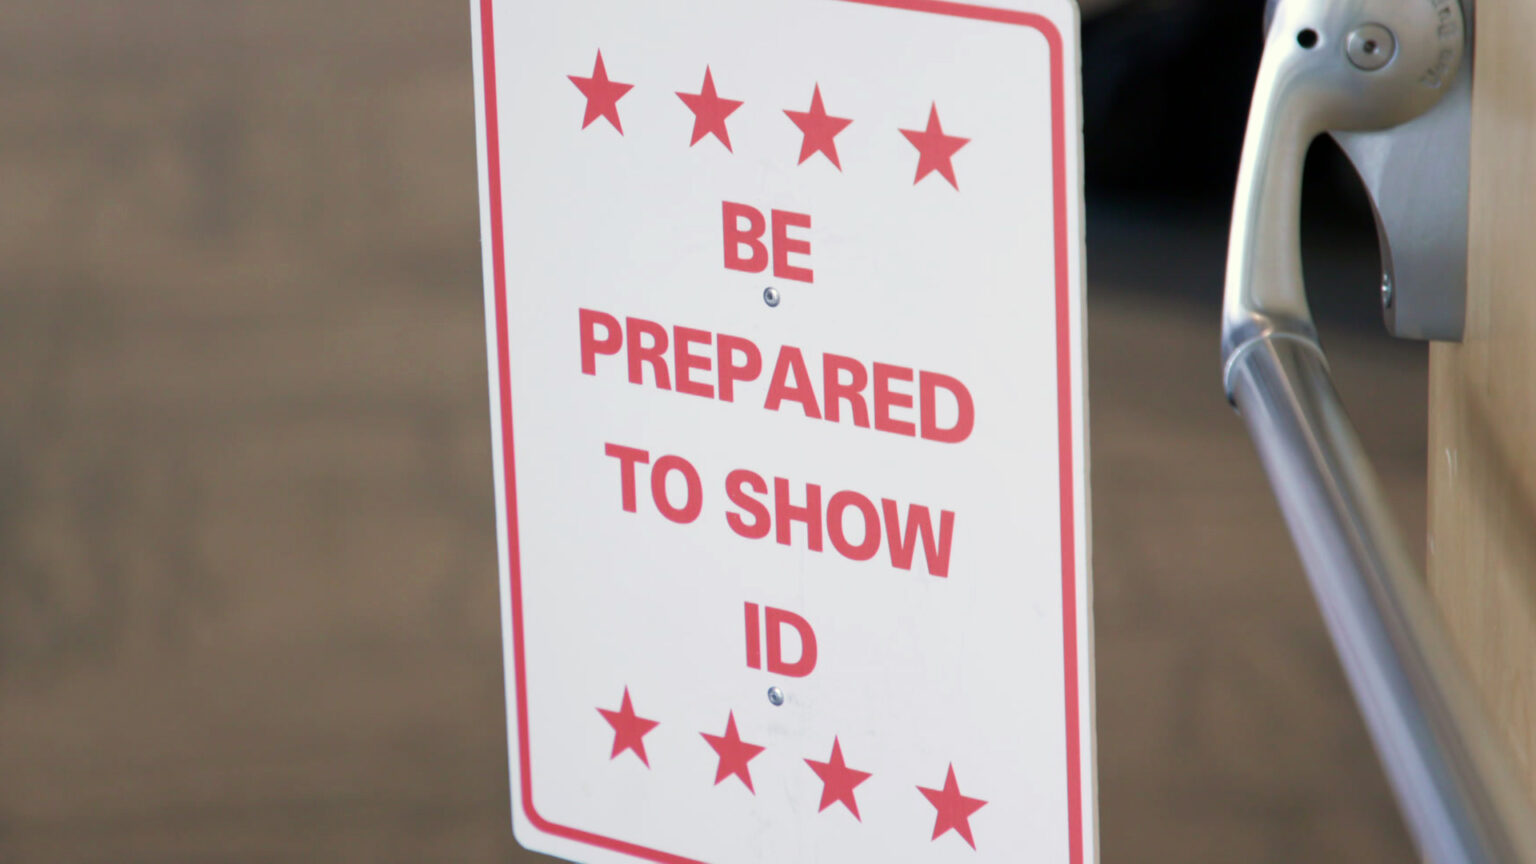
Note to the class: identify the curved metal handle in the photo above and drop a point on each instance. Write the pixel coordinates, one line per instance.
(1452, 780)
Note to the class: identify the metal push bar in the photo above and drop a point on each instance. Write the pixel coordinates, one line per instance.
(1382, 76)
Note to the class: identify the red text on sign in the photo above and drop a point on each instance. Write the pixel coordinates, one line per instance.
(773, 623)
(883, 396)
(661, 472)
(857, 538)
(743, 227)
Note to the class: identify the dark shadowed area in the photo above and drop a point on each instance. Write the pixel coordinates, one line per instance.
(247, 558)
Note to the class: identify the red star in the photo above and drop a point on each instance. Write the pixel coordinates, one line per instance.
(709, 112)
(734, 754)
(838, 780)
(934, 148)
(602, 95)
(819, 129)
(954, 809)
(629, 729)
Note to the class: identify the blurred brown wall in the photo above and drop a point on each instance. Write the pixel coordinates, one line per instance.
(247, 569)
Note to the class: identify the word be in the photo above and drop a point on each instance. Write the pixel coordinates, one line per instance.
(750, 237)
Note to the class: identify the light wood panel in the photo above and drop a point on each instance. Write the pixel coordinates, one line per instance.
(1482, 439)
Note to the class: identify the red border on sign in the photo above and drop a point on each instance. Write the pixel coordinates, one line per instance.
(1063, 400)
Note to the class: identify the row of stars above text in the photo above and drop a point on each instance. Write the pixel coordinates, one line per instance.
(935, 148)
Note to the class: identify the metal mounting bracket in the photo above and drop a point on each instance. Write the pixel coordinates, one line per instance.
(1416, 175)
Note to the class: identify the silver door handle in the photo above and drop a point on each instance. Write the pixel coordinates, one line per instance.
(1372, 69)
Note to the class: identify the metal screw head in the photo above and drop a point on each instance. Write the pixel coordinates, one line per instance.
(1386, 291)
(771, 296)
(775, 695)
(1370, 47)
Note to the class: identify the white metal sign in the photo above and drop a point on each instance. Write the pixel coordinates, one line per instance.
(786, 348)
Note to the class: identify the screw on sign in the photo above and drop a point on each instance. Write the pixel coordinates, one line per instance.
(786, 343)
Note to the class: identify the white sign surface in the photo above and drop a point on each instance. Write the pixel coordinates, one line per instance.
(785, 317)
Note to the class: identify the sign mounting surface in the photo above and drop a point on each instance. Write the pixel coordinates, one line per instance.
(785, 322)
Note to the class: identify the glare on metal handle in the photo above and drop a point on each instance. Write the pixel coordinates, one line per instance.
(1356, 66)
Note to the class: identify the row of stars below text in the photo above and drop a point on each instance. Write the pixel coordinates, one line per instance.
(953, 810)
(819, 130)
